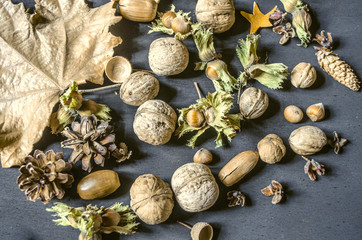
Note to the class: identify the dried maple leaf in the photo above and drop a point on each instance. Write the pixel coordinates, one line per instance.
(40, 54)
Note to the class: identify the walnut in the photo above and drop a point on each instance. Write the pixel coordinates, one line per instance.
(138, 88)
(154, 122)
(216, 14)
(307, 140)
(195, 187)
(168, 56)
(151, 199)
(271, 149)
(303, 75)
(253, 103)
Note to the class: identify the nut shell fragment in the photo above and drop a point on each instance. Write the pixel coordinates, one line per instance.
(118, 69)
(202, 231)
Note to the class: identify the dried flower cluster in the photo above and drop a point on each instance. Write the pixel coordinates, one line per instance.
(275, 189)
(337, 143)
(236, 198)
(312, 167)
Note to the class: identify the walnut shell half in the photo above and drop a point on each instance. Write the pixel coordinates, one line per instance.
(307, 140)
(151, 199)
(195, 187)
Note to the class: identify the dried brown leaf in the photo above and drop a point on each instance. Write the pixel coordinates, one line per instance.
(39, 55)
(268, 191)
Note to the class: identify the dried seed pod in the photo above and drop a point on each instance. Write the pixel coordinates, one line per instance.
(307, 140)
(180, 25)
(154, 122)
(316, 112)
(118, 69)
(290, 5)
(167, 18)
(203, 156)
(303, 75)
(195, 118)
(138, 88)
(195, 187)
(238, 167)
(168, 56)
(138, 10)
(98, 184)
(293, 114)
(253, 103)
(151, 199)
(271, 149)
(219, 15)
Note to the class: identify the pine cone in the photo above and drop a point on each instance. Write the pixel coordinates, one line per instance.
(43, 176)
(338, 69)
(92, 140)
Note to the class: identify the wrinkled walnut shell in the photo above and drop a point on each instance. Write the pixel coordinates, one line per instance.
(138, 88)
(151, 199)
(219, 15)
(253, 103)
(303, 75)
(168, 56)
(307, 140)
(195, 187)
(271, 149)
(154, 122)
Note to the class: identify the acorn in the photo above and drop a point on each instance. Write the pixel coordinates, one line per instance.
(195, 118)
(180, 25)
(316, 112)
(203, 156)
(167, 18)
(293, 114)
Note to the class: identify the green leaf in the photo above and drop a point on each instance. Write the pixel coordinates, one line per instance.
(204, 42)
(246, 50)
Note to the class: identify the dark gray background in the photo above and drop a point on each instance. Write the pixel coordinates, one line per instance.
(329, 208)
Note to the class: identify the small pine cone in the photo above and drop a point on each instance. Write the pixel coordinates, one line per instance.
(338, 69)
(43, 176)
(92, 140)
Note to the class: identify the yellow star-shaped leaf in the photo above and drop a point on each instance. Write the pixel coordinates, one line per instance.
(258, 19)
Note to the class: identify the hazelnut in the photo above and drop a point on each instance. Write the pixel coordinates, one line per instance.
(195, 118)
(293, 114)
(180, 25)
(203, 156)
(167, 18)
(303, 75)
(271, 149)
(316, 112)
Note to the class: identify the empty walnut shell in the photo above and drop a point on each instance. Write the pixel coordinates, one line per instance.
(238, 167)
(195, 187)
(168, 56)
(253, 103)
(271, 149)
(303, 75)
(154, 122)
(307, 140)
(151, 199)
(98, 184)
(118, 69)
(138, 88)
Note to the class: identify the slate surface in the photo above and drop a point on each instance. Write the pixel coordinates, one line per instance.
(327, 209)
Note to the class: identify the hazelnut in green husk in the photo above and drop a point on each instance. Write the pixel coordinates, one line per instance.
(93, 221)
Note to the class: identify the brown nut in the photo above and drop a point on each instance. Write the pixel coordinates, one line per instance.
(271, 149)
(316, 112)
(195, 118)
(98, 184)
(307, 140)
(203, 156)
(303, 75)
(238, 167)
(167, 18)
(253, 103)
(293, 114)
(180, 25)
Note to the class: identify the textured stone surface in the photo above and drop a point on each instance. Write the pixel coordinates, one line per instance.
(329, 209)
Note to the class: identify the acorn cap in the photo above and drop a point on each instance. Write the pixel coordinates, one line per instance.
(202, 231)
(118, 69)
